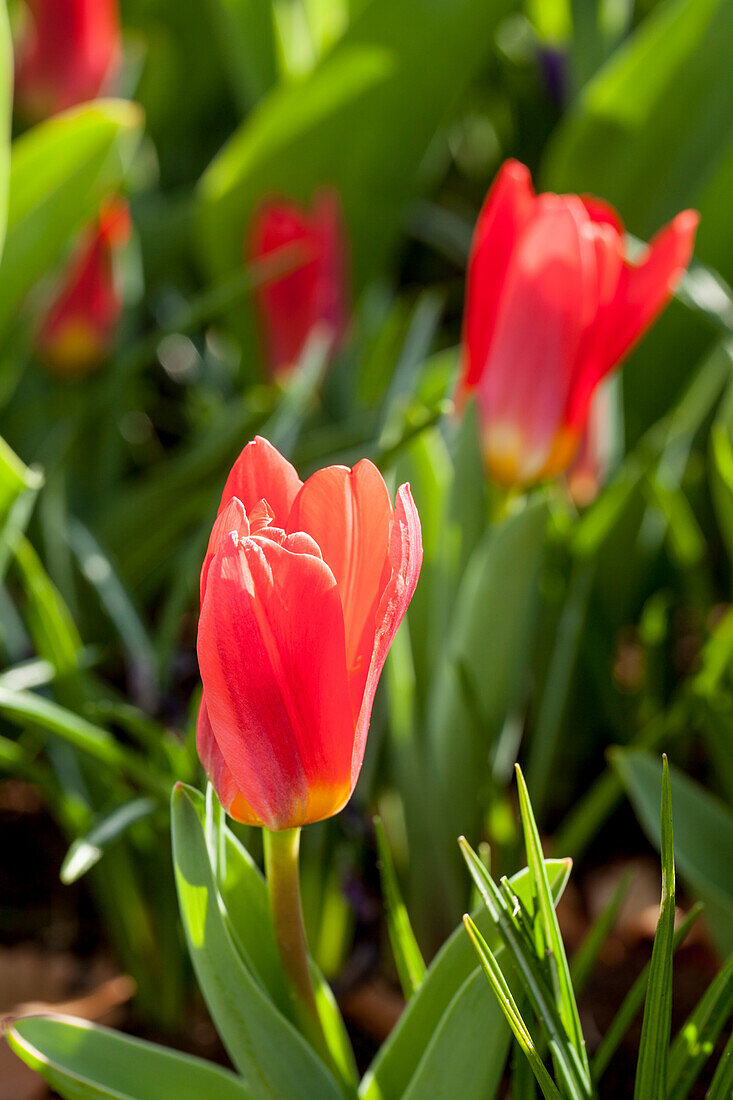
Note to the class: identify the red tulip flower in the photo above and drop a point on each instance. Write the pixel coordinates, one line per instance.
(303, 588)
(552, 306)
(78, 329)
(70, 51)
(313, 295)
(589, 468)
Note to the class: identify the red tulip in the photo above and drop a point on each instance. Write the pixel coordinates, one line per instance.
(303, 588)
(589, 468)
(311, 297)
(71, 49)
(552, 307)
(78, 329)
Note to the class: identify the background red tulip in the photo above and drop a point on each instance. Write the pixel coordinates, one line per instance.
(79, 326)
(303, 588)
(68, 53)
(551, 307)
(314, 295)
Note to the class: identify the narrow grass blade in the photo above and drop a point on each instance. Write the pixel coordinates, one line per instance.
(409, 960)
(632, 1003)
(511, 1012)
(651, 1069)
(566, 1002)
(584, 959)
(721, 1086)
(696, 1038)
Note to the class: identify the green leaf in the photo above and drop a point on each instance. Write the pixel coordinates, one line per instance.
(511, 1012)
(632, 1003)
(245, 30)
(88, 850)
(703, 835)
(6, 114)
(651, 1069)
(410, 963)
(469, 1046)
(696, 1039)
(59, 173)
(26, 708)
(82, 1061)
(371, 92)
(566, 1003)
(399, 1057)
(272, 1057)
(722, 1083)
(49, 620)
(648, 130)
(246, 911)
(15, 477)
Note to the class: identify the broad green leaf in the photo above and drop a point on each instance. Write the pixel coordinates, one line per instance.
(88, 850)
(372, 91)
(565, 995)
(410, 963)
(703, 835)
(696, 1039)
(651, 1069)
(15, 477)
(83, 1061)
(648, 130)
(273, 1058)
(469, 1046)
(49, 620)
(399, 1057)
(246, 910)
(6, 114)
(59, 173)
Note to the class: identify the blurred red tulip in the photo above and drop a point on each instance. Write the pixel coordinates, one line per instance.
(77, 331)
(314, 295)
(68, 53)
(589, 468)
(552, 307)
(303, 588)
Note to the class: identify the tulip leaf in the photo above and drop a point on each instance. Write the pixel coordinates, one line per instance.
(246, 34)
(87, 850)
(703, 842)
(82, 1061)
(6, 114)
(696, 1038)
(59, 173)
(401, 1056)
(246, 911)
(275, 1061)
(15, 477)
(409, 961)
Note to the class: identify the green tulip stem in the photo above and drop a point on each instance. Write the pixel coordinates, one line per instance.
(283, 885)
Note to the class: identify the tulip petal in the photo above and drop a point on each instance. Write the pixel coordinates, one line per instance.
(272, 657)
(232, 517)
(261, 473)
(218, 773)
(546, 305)
(349, 514)
(506, 210)
(405, 556)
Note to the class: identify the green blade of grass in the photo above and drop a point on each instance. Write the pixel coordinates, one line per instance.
(721, 1085)
(651, 1069)
(632, 1003)
(566, 1002)
(696, 1038)
(409, 960)
(509, 1007)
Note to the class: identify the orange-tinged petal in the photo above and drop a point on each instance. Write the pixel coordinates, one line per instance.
(218, 773)
(261, 473)
(272, 658)
(405, 558)
(349, 514)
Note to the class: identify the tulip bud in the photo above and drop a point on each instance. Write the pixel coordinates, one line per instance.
(79, 326)
(303, 588)
(552, 306)
(312, 295)
(70, 50)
